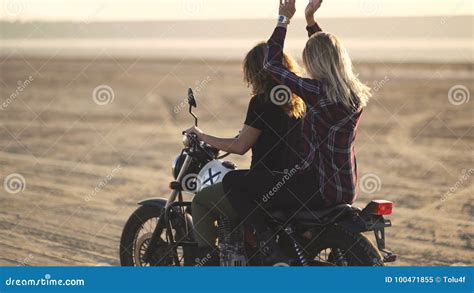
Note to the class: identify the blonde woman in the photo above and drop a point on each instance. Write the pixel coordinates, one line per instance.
(335, 99)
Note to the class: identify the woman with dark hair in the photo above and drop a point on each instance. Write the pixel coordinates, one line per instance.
(272, 130)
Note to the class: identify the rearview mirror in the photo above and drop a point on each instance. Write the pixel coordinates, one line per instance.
(191, 99)
(192, 103)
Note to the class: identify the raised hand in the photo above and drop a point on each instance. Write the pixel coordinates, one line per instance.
(287, 8)
(311, 8)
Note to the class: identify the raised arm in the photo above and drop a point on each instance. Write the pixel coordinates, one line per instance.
(304, 87)
(312, 26)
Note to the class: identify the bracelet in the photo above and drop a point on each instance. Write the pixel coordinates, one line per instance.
(283, 19)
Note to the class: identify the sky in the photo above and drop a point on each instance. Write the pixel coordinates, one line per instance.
(109, 10)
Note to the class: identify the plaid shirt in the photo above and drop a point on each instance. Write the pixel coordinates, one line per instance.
(329, 129)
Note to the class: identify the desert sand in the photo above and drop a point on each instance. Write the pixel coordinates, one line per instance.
(86, 165)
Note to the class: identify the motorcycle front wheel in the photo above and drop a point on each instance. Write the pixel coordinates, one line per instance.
(136, 237)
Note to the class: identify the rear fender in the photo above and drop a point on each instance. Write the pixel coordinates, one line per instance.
(374, 223)
(353, 224)
(359, 223)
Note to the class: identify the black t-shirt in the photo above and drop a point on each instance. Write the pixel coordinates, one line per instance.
(277, 146)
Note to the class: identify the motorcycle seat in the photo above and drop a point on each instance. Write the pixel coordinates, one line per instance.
(320, 216)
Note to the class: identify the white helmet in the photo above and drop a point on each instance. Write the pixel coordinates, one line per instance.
(213, 172)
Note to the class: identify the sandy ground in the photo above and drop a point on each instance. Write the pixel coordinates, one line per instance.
(86, 165)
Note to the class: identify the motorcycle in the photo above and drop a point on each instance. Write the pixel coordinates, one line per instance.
(160, 231)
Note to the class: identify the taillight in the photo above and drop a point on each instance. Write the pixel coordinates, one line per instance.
(380, 207)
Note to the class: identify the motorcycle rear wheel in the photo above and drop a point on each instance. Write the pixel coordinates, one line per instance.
(338, 247)
(135, 240)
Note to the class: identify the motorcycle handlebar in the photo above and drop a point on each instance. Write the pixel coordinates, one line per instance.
(193, 137)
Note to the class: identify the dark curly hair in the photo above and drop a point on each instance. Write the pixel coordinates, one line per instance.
(260, 81)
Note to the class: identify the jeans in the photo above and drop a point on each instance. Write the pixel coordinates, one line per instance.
(208, 205)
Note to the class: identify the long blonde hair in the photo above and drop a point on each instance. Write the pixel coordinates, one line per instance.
(262, 82)
(326, 59)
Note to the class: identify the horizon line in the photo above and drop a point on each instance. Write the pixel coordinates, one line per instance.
(224, 19)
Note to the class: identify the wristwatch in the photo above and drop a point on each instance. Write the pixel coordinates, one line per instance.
(283, 19)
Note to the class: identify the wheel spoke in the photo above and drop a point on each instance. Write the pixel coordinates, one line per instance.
(163, 254)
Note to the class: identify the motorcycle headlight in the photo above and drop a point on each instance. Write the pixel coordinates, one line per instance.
(185, 140)
(177, 164)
